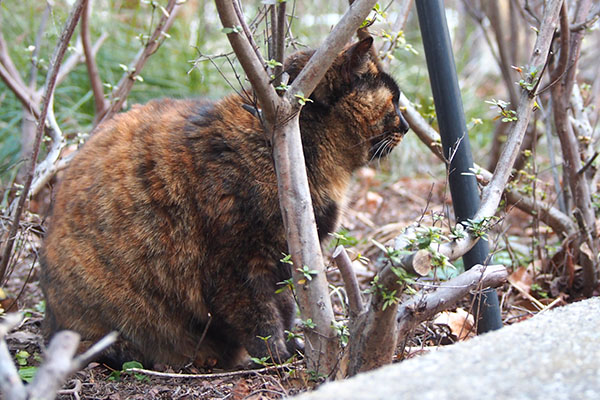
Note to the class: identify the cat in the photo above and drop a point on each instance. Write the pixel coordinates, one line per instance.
(167, 227)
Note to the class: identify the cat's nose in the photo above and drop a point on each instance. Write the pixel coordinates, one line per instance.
(402, 125)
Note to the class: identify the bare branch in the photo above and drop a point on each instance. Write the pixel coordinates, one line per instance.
(303, 243)
(579, 186)
(563, 60)
(53, 372)
(10, 382)
(526, 14)
(493, 13)
(55, 62)
(100, 102)
(425, 305)
(119, 95)
(247, 32)
(320, 62)
(344, 264)
(376, 332)
(57, 367)
(493, 192)
(590, 20)
(8, 64)
(251, 64)
(81, 360)
(37, 44)
(78, 56)
(45, 170)
(22, 92)
(554, 218)
(279, 42)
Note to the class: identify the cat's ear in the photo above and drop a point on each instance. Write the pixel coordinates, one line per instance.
(355, 58)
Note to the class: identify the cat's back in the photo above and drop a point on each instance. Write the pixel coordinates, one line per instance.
(141, 209)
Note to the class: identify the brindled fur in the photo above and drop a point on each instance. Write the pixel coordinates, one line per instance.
(167, 226)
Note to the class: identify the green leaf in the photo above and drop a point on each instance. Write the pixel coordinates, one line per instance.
(309, 323)
(22, 357)
(235, 29)
(132, 364)
(27, 373)
(274, 63)
(135, 364)
(287, 259)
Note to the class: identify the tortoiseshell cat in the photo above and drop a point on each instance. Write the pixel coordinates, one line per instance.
(167, 226)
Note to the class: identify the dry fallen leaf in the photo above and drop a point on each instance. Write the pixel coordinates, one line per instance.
(374, 201)
(522, 278)
(460, 322)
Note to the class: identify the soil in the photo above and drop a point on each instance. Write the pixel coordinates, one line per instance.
(378, 209)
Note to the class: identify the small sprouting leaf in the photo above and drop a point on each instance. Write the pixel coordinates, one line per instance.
(287, 259)
(307, 272)
(27, 373)
(115, 376)
(274, 63)
(22, 357)
(235, 29)
(301, 99)
(261, 361)
(309, 323)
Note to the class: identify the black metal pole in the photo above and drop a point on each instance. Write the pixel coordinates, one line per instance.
(455, 141)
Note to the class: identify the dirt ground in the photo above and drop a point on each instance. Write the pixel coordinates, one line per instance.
(378, 209)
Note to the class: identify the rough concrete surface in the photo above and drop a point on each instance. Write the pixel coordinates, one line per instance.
(554, 355)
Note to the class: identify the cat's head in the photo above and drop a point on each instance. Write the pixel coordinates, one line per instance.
(354, 84)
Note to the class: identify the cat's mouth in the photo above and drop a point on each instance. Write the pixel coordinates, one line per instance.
(383, 147)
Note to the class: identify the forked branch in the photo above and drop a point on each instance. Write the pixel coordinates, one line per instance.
(57, 57)
(59, 363)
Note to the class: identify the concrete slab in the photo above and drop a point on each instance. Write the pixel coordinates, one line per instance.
(553, 356)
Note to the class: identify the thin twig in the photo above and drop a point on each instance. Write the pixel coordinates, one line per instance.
(554, 218)
(279, 40)
(344, 264)
(100, 102)
(78, 56)
(94, 350)
(426, 304)
(214, 376)
(10, 382)
(119, 95)
(23, 94)
(7, 62)
(591, 20)
(588, 163)
(77, 386)
(57, 57)
(267, 97)
(493, 191)
(493, 13)
(321, 60)
(563, 61)
(247, 32)
(37, 44)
